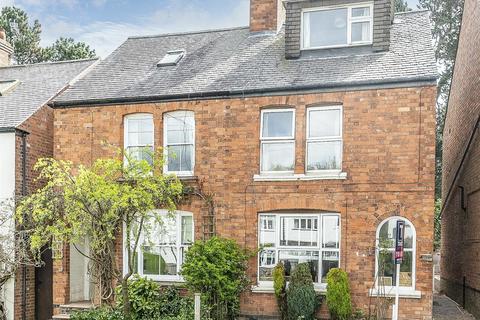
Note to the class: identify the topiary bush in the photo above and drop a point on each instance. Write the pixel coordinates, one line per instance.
(280, 286)
(338, 295)
(217, 269)
(301, 298)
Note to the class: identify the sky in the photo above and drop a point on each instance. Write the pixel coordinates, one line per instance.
(105, 24)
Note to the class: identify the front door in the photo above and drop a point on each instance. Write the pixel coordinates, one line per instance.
(44, 288)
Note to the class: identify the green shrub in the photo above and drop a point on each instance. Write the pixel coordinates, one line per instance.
(301, 298)
(98, 314)
(280, 284)
(338, 295)
(144, 298)
(217, 269)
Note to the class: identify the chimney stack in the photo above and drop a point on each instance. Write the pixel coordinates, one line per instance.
(266, 15)
(6, 50)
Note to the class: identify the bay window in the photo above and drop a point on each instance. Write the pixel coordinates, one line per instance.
(324, 139)
(294, 238)
(277, 141)
(337, 26)
(163, 244)
(139, 136)
(385, 256)
(179, 142)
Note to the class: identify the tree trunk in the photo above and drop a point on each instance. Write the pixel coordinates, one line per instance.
(125, 298)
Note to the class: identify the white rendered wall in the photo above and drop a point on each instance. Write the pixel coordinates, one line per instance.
(7, 190)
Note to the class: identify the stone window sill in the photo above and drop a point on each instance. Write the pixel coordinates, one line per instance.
(301, 177)
(269, 289)
(390, 293)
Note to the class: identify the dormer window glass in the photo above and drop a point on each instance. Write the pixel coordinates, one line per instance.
(332, 27)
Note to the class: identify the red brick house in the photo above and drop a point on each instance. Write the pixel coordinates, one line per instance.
(314, 129)
(460, 263)
(26, 134)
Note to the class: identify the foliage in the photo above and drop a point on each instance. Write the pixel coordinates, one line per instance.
(98, 314)
(280, 285)
(144, 296)
(437, 225)
(401, 6)
(301, 298)
(217, 269)
(446, 16)
(97, 203)
(68, 49)
(338, 295)
(25, 38)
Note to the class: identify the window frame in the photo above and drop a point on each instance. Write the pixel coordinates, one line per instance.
(166, 278)
(277, 140)
(319, 237)
(402, 289)
(350, 21)
(309, 139)
(126, 123)
(166, 145)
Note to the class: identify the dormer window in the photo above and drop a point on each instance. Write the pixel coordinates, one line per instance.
(340, 26)
(172, 58)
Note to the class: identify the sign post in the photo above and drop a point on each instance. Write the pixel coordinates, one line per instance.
(398, 261)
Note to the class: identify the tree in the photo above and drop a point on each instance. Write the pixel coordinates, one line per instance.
(67, 49)
(446, 17)
(401, 6)
(98, 203)
(25, 38)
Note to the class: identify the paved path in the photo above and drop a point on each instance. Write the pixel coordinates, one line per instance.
(446, 309)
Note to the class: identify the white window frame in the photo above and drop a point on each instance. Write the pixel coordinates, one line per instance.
(350, 20)
(166, 145)
(324, 139)
(276, 140)
(126, 123)
(167, 278)
(318, 285)
(391, 289)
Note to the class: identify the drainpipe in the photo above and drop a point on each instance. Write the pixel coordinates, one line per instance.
(23, 135)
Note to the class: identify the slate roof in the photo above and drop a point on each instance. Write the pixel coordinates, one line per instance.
(234, 61)
(37, 85)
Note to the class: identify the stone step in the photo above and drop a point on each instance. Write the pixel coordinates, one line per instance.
(61, 316)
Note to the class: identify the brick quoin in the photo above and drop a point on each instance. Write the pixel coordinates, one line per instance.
(461, 218)
(388, 154)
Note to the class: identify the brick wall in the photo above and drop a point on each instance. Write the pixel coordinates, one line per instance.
(39, 144)
(461, 226)
(388, 156)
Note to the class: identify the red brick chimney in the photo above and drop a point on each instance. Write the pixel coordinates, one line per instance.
(266, 15)
(6, 50)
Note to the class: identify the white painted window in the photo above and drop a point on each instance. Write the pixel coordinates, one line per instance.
(297, 238)
(385, 255)
(179, 142)
(163, 245)
(337, 26)
(324, 139)
(277, 135)
(139, 136)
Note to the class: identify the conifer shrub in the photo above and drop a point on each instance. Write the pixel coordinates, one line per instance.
(301, 298)
(338, 295)
(280, 287)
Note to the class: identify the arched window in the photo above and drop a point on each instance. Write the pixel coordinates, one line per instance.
(385, 256)
(139, 136)
(179, 142)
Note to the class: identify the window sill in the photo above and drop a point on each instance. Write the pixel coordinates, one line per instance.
(270, 289)
(301, 177)
(390, 293)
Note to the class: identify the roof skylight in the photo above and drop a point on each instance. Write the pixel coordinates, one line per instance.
(7, 86)
(171, 58)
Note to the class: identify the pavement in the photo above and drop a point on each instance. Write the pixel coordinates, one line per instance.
(446, 309)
